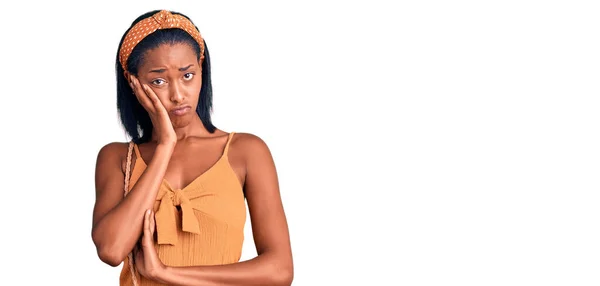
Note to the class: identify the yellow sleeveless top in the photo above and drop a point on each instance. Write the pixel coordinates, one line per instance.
(201, 224)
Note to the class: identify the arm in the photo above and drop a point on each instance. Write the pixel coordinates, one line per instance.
(273, 265)
(117, 221)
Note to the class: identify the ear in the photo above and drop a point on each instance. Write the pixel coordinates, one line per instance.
(126, 74)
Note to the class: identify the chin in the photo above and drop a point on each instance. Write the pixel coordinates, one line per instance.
(181, 121)
(180, 124)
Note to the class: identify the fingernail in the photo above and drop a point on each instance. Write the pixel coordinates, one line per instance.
(148, 211)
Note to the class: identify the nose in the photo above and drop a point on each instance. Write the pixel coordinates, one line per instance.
(176, 94)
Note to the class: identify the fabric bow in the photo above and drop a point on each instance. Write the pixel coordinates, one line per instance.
(165, 19)
(166, 223)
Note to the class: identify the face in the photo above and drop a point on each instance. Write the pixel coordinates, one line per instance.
(175, 75)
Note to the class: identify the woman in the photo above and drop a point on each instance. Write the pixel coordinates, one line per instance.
(171, 203)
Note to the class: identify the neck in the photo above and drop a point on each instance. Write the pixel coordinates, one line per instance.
(194, 128)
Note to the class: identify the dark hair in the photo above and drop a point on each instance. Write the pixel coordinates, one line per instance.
(133, 116)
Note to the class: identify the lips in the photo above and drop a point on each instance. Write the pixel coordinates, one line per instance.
(181, 110)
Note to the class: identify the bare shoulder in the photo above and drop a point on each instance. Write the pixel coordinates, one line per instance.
(249, 145)
(113, 148)
(111, 154)
(251, 159)
(247, 139)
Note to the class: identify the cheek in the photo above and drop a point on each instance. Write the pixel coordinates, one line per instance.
(195, 86)
(193, 92)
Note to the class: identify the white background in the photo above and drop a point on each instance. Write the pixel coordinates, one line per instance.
(419, 143)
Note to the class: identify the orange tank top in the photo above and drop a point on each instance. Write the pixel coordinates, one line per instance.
(201, 224)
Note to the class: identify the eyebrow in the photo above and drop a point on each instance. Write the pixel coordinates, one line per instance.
(186, 68)
(163, 70)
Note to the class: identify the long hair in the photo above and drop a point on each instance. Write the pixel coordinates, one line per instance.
(133, 116)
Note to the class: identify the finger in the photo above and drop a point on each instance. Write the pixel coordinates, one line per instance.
(149, 252)
(147, 238)
(152, 222)
(138, 92)
(141, 95)
(158, 106)
(146, 221)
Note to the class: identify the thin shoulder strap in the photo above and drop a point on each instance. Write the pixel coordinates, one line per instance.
(128, 168)
(228, 141)
(126, 191)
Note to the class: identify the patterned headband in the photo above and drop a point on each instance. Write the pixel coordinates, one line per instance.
(161, 20)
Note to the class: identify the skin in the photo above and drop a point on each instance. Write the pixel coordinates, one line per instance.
(170, 77)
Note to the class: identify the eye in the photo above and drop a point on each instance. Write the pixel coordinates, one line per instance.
(188, 76)
(158, 81)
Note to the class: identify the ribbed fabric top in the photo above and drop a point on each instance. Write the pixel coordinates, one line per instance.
(201, 224)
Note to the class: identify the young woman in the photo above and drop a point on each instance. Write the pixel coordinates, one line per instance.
(170, 204)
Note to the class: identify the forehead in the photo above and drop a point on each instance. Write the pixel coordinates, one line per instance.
(169, 55)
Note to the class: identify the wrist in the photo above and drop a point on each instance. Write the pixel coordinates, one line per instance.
(165, 149)
(162, 274)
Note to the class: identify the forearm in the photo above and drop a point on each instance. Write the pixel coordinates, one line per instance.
(264, 270)
(117, 232)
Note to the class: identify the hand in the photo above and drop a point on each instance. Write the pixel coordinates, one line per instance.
(157, 111)
(147, 262)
